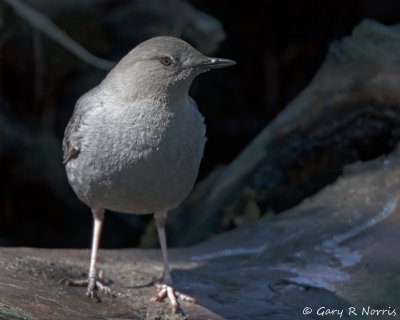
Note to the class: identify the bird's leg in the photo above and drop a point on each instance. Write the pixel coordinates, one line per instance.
(165, 288)
(160, 220)
(95, 280)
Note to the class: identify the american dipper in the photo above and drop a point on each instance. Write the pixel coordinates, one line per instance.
(134, 143)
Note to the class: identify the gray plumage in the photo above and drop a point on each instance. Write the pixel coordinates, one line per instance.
(135, 142)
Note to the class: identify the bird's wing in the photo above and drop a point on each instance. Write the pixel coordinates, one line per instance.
(72, 136)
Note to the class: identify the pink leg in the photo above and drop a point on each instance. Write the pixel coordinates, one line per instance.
(160, 220)
(165, 289)
(98, 217)
(94, 280)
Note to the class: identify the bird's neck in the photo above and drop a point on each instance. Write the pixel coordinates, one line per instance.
(167, 95)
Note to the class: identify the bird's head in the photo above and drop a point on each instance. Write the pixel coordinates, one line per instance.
(161, 66)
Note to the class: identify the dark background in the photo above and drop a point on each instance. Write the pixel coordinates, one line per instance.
(278, 45)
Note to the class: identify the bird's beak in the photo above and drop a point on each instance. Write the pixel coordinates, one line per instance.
(215, 63)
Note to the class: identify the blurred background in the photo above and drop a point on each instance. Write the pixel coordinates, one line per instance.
(278, 45)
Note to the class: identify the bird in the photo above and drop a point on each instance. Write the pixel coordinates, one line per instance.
(134, 144)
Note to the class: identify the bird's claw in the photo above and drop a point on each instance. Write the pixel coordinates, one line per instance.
(167, 291)
(93, 283)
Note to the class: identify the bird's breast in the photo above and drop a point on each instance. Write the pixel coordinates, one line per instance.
(140, 158)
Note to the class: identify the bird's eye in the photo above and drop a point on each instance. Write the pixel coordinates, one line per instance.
(166, 61)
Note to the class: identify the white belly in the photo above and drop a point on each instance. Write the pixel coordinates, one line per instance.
(140, 159)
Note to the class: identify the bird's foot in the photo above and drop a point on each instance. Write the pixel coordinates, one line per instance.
(95, 281)
(167, 291)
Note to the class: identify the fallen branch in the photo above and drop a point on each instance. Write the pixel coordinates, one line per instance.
(42, 23)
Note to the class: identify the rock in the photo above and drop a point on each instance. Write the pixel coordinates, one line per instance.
(337, 249)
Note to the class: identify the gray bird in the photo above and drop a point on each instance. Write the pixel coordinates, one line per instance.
(134, 143)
